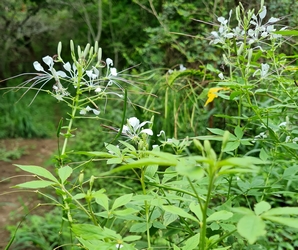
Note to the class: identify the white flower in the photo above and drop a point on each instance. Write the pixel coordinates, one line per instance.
(87, 109)
(134, 128)
(113, 71)
(109, 62)
(181, 67)
(221, 76)
(98, 90)
(262, 135)
(60, 92)
(118, 246)
(283, 124)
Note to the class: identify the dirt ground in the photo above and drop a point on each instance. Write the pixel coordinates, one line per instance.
(13, 202)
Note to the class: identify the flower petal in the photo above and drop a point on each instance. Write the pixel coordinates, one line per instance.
(113, 71)
(96, 112)
(109, 62)
(37, 66)
(147, 131)
(134, 122)
(48, 61)
(61, 74)
(67, 66)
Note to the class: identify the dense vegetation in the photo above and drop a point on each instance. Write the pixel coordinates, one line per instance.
(202, 99)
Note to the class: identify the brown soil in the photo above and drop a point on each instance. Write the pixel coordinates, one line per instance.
(14, 202)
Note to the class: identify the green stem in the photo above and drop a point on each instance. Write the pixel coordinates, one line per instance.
(74, 106)
(142, 180)
(204, 212)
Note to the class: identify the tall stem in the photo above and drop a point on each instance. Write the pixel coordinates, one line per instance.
(204, 212)
(74, 106)
(142, 180)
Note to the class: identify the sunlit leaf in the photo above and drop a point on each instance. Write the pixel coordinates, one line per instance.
(261, 207)
(64, 173)
(42, 172)
(220, 215)
(251, 227)
(35, 184)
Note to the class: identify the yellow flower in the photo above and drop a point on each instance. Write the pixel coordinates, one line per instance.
(212, 94)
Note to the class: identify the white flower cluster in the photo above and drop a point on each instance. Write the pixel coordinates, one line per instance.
(280, 130)
(255, 34)
(91, 79)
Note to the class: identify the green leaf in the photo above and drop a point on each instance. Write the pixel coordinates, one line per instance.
(282, 211)
(140, 227)
(287, 32)
(151, 170)
(189, 167)
(216, 131)
(192, 242)
(196, 209)
(238, 132)
(179, 211)
(220, 215)
(168, 218)
(35, 184)
(290, 172)
(87, 231)
(262, 207)
(145, 162)
(114, 161)
(290, 145)
(125, 212)
(263, 154)
(122, 200)
(95, 154)
(114, 149)
(287, 221)
(251, 227)
(64, 173)
(127, 145)
(103, 200)
(231, 146)
(132, 238)
(242, 210)
(42, 172)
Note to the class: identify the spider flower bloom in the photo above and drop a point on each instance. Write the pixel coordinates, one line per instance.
(134, 128)
(212, 93)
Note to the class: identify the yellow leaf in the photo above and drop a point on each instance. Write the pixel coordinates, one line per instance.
(212, 94)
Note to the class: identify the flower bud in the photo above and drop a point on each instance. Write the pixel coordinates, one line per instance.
(59, 50)
(81, 178)
(90, 53)
(198, 145)
(96, 47)
(91, 181)
(72, 46)
(86, 50)
(225, 139)
(99, 54)
(79, 52)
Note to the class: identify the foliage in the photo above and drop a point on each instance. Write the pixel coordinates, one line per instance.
(21, 120)
(224, 188)
(41, 232)
(10, 154)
